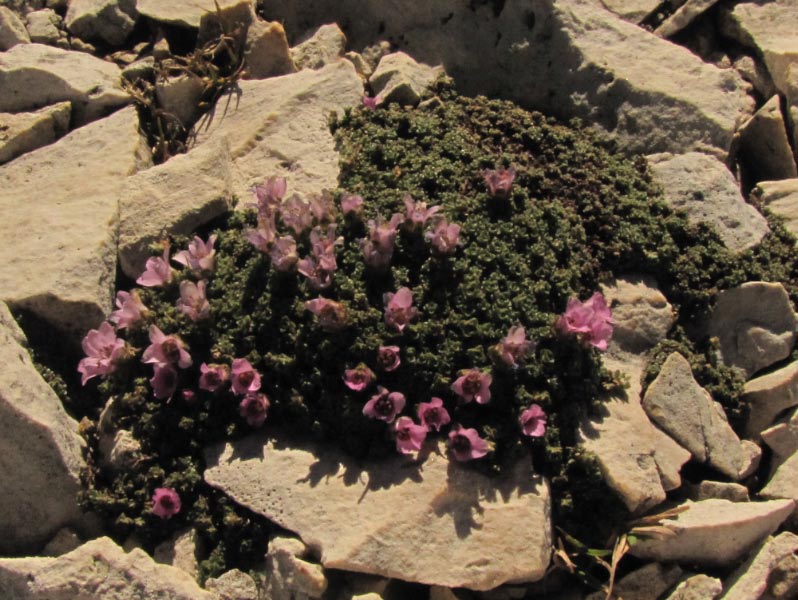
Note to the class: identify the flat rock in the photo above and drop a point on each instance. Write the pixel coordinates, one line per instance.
(768, 396)
(687, 412)
(649, 581)
(41, 450)
(755, 324)
(266, 51)
(750, 580)
(325, 46)
(715, 532)
(684, 15)
(79, 212)
(781, 197)
(399, 78)
(184, 13)
(734, 492)
(12, 29)
(784, 482)
(97, 569)
(765, 151)
(35, 75)
(782, 439)
(279, 127)
(109, 21)
(175, 197)
(439, 524)
(45, 26)
(705, 189)
(23, 132)
(697, 587)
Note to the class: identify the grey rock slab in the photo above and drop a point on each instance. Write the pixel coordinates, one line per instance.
(765, 151)
(784, 481)
(175, 197)
(12, 29)
(750, 580)
(781, 197)
(23, 132)
(715, 532)
(649, 581)
(755, 324)
(768, 396)
(74, 217)
(734, 492)
(35, 75)
(684, 15)
(279, 127)
(184, 13)
(399, 78)
(109, 21)
(687, 412)
(40, 453)
(46, 27)
(97, 569)
(705, 189)
(326, 45)
(782, 439)
(697, 587)
(438, 523)
(266, 51)
(233, 585)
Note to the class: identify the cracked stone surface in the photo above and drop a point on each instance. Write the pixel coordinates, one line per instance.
(768, 396)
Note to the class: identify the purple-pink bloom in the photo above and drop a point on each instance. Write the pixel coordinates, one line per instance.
(156, 270)
(417, 214)
(369, 103)
(533, 421)
(319, 267)
(445, 237)
(433, 414)
(399, 309)
(591, 320)
(130, 309)
(166, 349)
(165, 503)
(473, 385)
(264, 235)
(318, 278)
(351, 203)
(378, 247)
(193, 301)
(514, 347)
(499, 181)
(244, 376)
(296, 213)
(200, 256)
(388, 358)
(466, 444)
(254, 408)
(213, 376)
(283, 254)
(384, 405)
(163, 380)
(359, 378)
(322, 206)
(269, 193)
(331, 314)
(409, 436)
(103, 351)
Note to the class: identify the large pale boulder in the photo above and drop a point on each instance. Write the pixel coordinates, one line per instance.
(23, 132)
(768, 396)
(782, 198)
(705, 189)
(436, 523)
(35, 75)
(97, 569)
(109, 21)
(750, 580)
(40, 448)
(62, 264)
(765, 152)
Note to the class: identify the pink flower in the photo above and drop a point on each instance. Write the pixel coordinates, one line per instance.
(200, 256)
(388, 358)
(269, 193)
(466, 444)
(163, 381)
(246, 379)
(254, 408)
(409, 436)
(351, 204)
(445, 238)
(369, 103)
(322, 206)
(399, 309)
(384, 405)
(165, 503)
(378, 247)
(499, 181)
(157, 270)
(103, 352)
(283, 254)
(318, 278)
(417, 213)
(131, 309)
(359, 378)
(264, 235)
(473, 385)
(320, 267)
(514, 347)
(433, 414)
(165, 350)
(331, 315)
(296, 214)
(189, 396)
(193, 302)
(591, 320)
(533, 421)
(213, 376)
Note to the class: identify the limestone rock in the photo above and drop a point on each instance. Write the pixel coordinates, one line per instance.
(79, 212)
(399, 78)
(782, 198)
(23, 132)
(755, 73)
(641, 313)
(9, 325)
(34, 75)
(363, 68)
(715, 532)
(184, 13)
(41, 450)
(783, 579)
(181, 551)
(687, 412)
(734, 492)
(703, 187)
(279, 127)
(97, 569)
(768, 396)
(233, 585)
(325, 46)
(697, 587)
(288, 576)
(175, 197)
(110, 21)
(119, 451)
(750, 580)
(46, 27)
(632, 10)
(782, 439)
(12, 29)
(755, 324)
(649, 581)
(266, 52)
(684, 15)
(784, 482)
(764, 149)
(62, 542)
(180, 97)
(438, 524)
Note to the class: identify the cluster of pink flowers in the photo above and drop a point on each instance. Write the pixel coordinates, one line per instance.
(245, 381)
(591, 321)
(378, 247)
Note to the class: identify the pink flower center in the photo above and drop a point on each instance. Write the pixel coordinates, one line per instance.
(169, 379)
(461, 444)
(432, 415)
(330, 314)
(166, 502)
(385, 358)
(254, 408)
(384, 406)
(246, 378)
(213, 379)
(403, 434)
(472, 384)
(171, 349)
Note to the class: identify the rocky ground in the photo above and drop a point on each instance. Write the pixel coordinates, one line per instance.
(108, 142)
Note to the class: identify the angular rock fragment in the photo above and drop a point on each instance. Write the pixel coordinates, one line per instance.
(233, 585)
(109, 21)
(684, 15)
(46, 27)
(399, 78)
(641, 313)
(765, 151)
(266, 52)
(768, 396)
(734, 492)
(180, 96)
(185, 13)
(23, 132)
(288, 575)
(181, 551)
(649, 581)
(493, 531)
(12, 29)
(782, 439)
(697, 587)
(755, 73)
(750, 580)
(326, 45)
(784, 481)
(781, 197)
